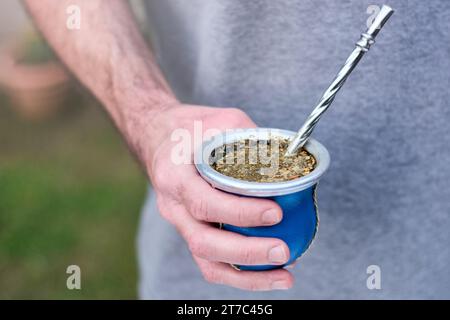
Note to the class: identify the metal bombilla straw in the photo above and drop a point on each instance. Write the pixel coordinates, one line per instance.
(362, 46)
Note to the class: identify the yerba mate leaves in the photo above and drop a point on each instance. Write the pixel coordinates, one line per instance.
(261, 161)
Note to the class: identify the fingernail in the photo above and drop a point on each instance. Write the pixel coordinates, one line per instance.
(277, 255)
(271, 216)
(280, 285)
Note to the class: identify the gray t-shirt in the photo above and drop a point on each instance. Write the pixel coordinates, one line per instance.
(385, 200)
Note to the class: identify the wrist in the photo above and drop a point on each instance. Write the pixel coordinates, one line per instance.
(139, 110)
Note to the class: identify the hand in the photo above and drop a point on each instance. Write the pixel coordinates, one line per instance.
(113, 61)
(193, 206)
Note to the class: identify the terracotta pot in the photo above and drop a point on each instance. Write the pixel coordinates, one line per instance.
(36, 90)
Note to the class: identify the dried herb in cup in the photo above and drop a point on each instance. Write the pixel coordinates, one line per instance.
(261, 161)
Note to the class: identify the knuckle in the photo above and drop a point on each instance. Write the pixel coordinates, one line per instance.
(211, 275)
(246, 255)
(197, 245)
(199, 208)
(241, 216)
(253, 286)
(166, 180)
(163, 210)
(236, 116)
(158, 178)
(167, 208)
(237, 112)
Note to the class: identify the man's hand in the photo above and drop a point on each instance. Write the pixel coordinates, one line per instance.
(110, 57)
(192, 206)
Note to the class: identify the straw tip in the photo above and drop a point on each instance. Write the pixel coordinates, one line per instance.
(387, 8)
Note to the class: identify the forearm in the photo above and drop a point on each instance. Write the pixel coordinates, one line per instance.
(109, 56)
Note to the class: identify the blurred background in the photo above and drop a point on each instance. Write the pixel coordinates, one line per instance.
(70, 192)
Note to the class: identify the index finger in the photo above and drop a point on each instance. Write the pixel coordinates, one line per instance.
(211, 205)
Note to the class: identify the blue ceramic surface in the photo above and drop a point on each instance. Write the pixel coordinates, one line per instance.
(296, 197)
(297, 228)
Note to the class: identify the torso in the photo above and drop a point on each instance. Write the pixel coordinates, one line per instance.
(384, 200)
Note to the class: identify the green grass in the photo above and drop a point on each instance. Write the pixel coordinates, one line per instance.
(70, 193)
